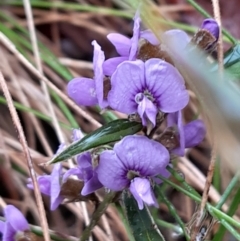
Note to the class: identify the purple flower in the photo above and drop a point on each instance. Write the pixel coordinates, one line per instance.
(211, 25)
(129, 165)
(51, 185)
(89, 92)
(15, 222)
(126, 48)
(189, 135)
(85, 172)
(147, 88)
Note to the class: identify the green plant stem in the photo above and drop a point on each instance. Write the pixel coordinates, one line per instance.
(75, 7)
(173, 211)
(207, 15)
(217, 213)
(228, 190)
(216, 175)
(232, 209)
(97, 215)
(171, 226)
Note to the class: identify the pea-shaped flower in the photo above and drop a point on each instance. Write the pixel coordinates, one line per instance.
(132, 163)
(147, 88)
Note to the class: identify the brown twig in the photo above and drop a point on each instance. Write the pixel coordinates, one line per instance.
(24, 144)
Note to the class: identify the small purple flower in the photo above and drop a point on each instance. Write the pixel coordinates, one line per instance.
(129, 165)
(212, 26)
(15, 222)
(89, 92)
(51, 185)
(147, 88)
(85, 172)
(126, 48)
(189, 135)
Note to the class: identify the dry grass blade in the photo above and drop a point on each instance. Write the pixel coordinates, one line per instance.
(9, 45)
(23, 141)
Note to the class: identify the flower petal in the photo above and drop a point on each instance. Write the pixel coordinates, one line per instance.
(98, 59)
(176, 37)
(121, 43)
(9, 232)
(134, 157)
(166, 84)
(2, 224)
(111, 172)
(150, 37)
(126, 82)
(44, 183)
(72, 171)
(56, 186)
(91, 185)
(195, 132)
(110, 65)
(82, 91)
(135, 37)
(212, 26)
(142, 192)
(77, 135)
(147, 111)
(15, 218)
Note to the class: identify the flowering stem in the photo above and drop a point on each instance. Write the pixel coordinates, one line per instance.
(207, 15)
(97, 215)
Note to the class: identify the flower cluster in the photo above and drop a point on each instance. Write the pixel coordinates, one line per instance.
(142, 82)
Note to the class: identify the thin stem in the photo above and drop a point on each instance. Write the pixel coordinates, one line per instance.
(24, 144)
(228, 190)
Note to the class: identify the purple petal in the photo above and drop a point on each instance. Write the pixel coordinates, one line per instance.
(98, 59)
(150, 37)
(2, 225)
(212, 26)
(121, 43)
(84, 160)
(165, 173)
(110, 65)
(56, 186)
(111, 172)
(44, 183)
(73, 171)
(195, 132)
(77, 135)
(91, 185)
(147, 111)
(142, 192)
(134, 157)
(82, 91)
(176, 37)
(135, 37)
(9, 232)
(15, 218)
(126, 82)
(166, 84)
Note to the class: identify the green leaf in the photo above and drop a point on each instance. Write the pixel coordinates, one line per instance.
(231, 62)
(140, 221)
(111, 132)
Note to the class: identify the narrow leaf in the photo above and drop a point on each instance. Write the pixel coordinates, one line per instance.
(111, 132)
(140, 221)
